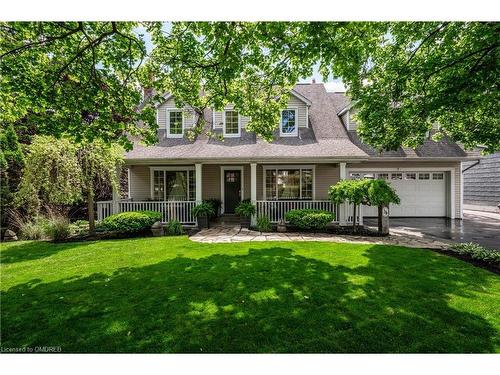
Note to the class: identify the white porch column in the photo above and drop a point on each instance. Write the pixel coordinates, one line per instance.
(198, 174)
(343, 206)
(115, 203)
(253, 188)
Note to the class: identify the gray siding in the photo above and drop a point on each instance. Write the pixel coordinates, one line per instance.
(482, 182)
(293, 102)
(139, 182)
(161, 116)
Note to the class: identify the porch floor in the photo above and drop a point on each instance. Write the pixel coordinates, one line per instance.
(233, 233)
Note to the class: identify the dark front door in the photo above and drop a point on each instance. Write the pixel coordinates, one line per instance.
(232, 190)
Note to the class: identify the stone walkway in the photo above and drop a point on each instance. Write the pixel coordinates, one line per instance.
(236, 234)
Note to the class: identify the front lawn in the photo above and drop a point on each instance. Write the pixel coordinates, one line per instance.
(174, 295)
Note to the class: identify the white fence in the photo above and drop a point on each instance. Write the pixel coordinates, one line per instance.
(170, 210)
(276, 210)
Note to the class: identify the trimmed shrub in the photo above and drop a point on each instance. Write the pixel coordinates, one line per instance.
(476, 251)
(58, 228)
(79, 227)
(129, 222)
(264, 224)
(174, 228)
(309, 219)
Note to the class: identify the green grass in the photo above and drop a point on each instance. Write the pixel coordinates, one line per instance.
(173, 295)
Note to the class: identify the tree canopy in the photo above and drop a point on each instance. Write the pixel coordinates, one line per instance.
(74, 79)
(83, 78)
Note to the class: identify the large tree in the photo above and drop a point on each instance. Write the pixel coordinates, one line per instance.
(82, 78)
(77, 79)
(404, 76)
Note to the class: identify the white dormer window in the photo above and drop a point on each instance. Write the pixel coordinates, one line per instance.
(231, 124)
(288, 124)
(175, 123)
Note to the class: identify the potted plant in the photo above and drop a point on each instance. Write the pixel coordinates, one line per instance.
(216, 204)
(202, 212)
(245, 210)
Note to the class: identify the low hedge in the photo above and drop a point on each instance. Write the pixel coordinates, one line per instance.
(308, 219)
(129, 222)
(476, 251)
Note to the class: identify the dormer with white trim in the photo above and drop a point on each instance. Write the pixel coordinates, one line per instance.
(173, 120)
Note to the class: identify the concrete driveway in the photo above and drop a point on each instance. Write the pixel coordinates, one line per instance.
(480, 227)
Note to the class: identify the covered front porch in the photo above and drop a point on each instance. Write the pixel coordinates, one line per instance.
(274, 189)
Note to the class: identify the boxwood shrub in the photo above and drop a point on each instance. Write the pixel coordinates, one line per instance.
(129, 222)
(309, 219)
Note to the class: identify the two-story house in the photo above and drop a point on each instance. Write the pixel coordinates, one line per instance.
(315, 146)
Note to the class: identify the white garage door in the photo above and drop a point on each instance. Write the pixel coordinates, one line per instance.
(421, 193)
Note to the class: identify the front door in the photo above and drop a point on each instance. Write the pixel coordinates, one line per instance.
(232, 190)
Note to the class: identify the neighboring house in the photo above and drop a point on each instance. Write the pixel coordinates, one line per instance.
(315, 146)
(482, 183)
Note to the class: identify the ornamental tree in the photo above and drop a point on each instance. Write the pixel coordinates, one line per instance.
(60, 172)
(379, 193)
(352, 191)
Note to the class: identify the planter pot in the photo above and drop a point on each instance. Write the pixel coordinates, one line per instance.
(281, 227)
(157, 229)
(245, 222)
(202, 222)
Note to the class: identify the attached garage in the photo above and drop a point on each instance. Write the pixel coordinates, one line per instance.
(423, 193)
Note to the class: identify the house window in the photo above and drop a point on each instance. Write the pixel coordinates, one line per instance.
(424, 176)
(231, 177)
(383, 176)
(369, 176)
(175, 124)
(355, 176)
(438, 176)
(231, 124)
(396, 176)
(288, 126)
(410, 176)
(174, 185)
(289, 184)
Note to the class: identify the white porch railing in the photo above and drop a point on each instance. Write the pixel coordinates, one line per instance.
(359, 213)
(104, 209)
(276, 210)
(170, 210)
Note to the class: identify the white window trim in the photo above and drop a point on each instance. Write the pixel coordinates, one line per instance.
(288, 166)
(224, 168)
(168, 169)
(296, 132)
(224, 124)
(170, 135)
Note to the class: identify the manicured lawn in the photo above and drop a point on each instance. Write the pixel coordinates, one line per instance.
(174, 295)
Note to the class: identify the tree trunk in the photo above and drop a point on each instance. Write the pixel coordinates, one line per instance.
(90, 208)
(383, 219)
(380, 219)
(354, 219)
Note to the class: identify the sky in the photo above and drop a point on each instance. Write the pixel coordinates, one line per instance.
(332, 85)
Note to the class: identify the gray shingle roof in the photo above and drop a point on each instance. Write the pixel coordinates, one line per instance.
(326, 138)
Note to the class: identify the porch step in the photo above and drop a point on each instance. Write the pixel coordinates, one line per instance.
(226, 219)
